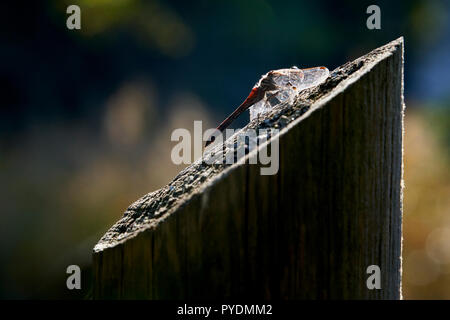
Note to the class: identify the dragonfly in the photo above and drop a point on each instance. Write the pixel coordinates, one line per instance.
(274, 87)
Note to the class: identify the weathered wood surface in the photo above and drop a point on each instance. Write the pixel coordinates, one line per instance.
(310, 231)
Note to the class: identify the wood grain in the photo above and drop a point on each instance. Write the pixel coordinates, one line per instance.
(308, 232)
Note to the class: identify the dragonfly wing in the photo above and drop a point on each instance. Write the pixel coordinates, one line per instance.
(285, 78)
(313, 77)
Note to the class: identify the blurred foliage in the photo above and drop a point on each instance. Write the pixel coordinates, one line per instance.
(86, 116)
(426, 223)
(437, 118)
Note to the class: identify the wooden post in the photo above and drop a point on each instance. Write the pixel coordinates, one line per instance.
(311, 231)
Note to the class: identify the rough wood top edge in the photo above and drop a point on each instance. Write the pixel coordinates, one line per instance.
(153, 208)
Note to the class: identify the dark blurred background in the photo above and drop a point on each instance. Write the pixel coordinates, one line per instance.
(86, 115)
